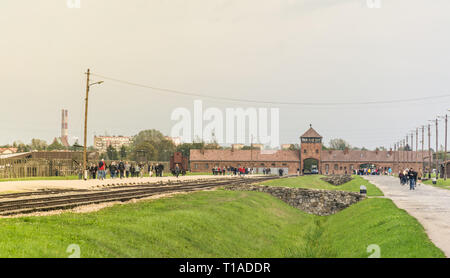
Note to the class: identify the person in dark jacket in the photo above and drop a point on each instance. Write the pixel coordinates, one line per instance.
(412, 175)
(121, 169)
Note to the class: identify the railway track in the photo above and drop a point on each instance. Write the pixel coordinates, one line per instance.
(70, 199)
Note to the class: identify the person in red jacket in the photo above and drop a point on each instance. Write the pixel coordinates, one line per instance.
(101, 169)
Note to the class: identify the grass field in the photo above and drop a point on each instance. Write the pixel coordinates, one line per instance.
(439, 183)
(219, 224)
(314, 182)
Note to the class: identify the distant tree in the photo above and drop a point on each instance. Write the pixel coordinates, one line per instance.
(249, 148)
(145, 151)
(111, 153)
(56, 145)
(38, 144)
(296, 147)
(123, 152)
(186, 148)
(76, 146)
(165, 148)
(339, 144)
(150, 135)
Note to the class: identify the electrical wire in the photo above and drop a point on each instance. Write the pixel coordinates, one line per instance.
(183, 93)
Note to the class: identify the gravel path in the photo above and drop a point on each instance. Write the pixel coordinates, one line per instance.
(429, 205)
(24, 186)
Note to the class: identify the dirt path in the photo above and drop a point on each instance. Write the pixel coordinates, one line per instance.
(429, 205)
(24, 186)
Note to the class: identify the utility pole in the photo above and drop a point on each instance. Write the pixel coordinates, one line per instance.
(85, 125)
(437, 151)
(88, 73)
(412, 148)
(445, 154)
(395, 159)
(445, 118)
(407, 153)
(417, 146)
(423, 142)
(429, 150)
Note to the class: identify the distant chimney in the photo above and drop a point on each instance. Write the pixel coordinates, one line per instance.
(64, 127)
(346, 151)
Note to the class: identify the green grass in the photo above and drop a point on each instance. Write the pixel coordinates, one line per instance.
(314, 182)
(219, 224)
(439, 183)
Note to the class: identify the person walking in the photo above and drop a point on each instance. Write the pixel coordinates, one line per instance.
(112, 170)
(101, 169)
(127, 169)
(150, 170)
(177, 170)
(412, 179)
(137, 171)
(121, 169)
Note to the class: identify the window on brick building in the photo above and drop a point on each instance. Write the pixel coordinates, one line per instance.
(336, 166)
(304, 151)
(317, 151)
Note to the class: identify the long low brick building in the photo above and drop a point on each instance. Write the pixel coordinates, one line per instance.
(311, 153)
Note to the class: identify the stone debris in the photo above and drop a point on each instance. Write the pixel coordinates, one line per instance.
(318, 202)
(337, 179)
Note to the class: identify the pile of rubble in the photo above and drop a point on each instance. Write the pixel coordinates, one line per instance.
(337, 179)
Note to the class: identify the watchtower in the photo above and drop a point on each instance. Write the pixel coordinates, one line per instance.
(310, 150)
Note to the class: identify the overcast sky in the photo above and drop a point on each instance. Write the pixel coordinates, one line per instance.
(278, 50)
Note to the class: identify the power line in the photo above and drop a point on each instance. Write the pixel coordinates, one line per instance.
(183, 93)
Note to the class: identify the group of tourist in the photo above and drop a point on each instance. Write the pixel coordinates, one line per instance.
(123, 169)
(374, 171)
(241, 171)
(409, 176)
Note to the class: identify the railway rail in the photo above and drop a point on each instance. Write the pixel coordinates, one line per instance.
(21, 203)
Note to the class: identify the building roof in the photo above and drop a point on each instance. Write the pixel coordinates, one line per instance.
(244, 155)
(367, 156)
(8, 150)
(311, 133)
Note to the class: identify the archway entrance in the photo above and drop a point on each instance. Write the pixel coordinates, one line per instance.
(310, 166)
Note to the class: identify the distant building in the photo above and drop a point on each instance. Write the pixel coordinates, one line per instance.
(310, 157)
(8, 150)
(101, 143)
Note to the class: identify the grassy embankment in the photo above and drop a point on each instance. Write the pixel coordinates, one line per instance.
(314, 182)
(219, 224)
